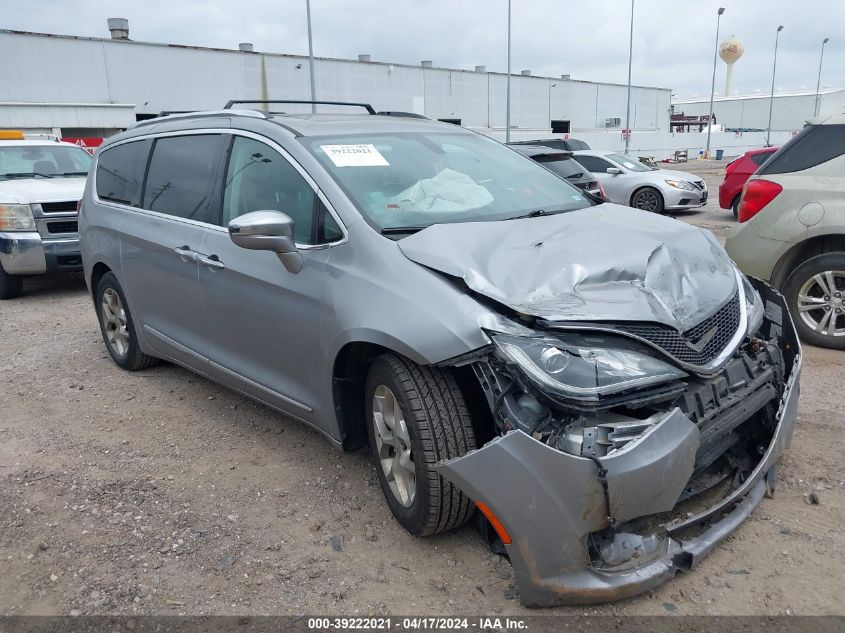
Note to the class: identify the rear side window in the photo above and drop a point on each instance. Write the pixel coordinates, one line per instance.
(814, 145)
(181, 176)
(565, 168)
(120, 173)
(759, 159)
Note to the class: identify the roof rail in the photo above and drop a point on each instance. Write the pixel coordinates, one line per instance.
(398, 113)
(187, 115)
(232, 102)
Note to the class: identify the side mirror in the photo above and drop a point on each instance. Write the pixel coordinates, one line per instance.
(267, 231)
(615, 171)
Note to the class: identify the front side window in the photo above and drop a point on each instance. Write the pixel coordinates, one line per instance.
(412, 180)
(631, 163)
(181, 176)
(258, 178)
(594, 163)
(120, 172)
(43, 161)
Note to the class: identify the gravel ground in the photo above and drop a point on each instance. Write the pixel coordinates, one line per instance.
(159, 492)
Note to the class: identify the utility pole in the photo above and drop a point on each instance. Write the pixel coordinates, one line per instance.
(772, 97)
(819, 81)
(628, 108)
(310, 54)
(508, 96)
(713, 83)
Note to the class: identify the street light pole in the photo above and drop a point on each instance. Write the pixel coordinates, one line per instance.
(819, 81)
(310, 54)
(772, 97)
(628, 109)
(713, 82)
(508, 96)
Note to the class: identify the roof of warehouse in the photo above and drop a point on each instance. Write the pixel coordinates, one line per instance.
(330, 59)
(801, 93)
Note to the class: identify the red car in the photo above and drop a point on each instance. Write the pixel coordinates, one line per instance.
(737, 172)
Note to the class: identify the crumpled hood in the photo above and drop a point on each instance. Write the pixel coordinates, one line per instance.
(604, 263)
(30, 190)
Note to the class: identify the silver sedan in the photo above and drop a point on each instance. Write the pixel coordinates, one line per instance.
(627, 181)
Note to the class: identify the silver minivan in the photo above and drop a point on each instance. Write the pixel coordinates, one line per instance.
(601, 384)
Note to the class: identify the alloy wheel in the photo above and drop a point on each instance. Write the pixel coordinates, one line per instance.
(393, 444)
(820, 303)
(647, 201)
(114, 322)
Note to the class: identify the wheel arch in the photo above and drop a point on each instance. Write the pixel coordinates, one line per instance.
(801, 252)
(97, 272)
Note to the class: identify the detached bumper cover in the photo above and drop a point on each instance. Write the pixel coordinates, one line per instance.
(27, 253)
(550, 501)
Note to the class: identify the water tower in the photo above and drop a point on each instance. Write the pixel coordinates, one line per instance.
(730, 50)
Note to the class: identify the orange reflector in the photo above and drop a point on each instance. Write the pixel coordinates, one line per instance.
(494, 521)
(11, 135)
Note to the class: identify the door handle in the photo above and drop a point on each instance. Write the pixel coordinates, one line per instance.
(210, 261)
(186, 254)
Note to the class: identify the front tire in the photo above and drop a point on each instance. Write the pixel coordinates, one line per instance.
(648, 199)
(117, 326)
(416, 417)
(815, 294)
(11, 286)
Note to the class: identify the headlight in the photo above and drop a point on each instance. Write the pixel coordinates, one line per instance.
(753, 306)
(16, 217)
(680, 184)
(582, 371)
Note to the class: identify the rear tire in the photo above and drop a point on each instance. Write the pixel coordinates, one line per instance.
(117, 326)
(11, 286)
(425, 407)
(817, 282)
(648, 199)
(735, 206)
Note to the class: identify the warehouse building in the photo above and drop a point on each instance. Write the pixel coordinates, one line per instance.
(751, 113)
(86, 86)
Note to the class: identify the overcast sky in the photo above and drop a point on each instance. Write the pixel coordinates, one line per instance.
(673, 39)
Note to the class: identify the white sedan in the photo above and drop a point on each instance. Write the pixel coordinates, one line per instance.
(627, 181)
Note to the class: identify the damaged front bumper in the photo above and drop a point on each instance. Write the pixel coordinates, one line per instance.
(574, 522)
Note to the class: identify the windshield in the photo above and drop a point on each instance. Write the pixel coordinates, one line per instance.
(417, 179)
(631, 163)
(48, 161)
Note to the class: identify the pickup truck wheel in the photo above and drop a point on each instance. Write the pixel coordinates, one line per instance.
(11, 286)
(417, 417)
(648, 199)
(117, 326)
(815, 294)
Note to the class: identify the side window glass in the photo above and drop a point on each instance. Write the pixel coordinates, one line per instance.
(120, 173)
(814, 145)
(594, 163)
(181, 176)
(258, 178)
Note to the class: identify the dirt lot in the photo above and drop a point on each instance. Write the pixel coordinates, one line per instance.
(162, 493)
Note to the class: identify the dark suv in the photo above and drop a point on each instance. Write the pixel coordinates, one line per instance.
(561, 163)
(568, 144)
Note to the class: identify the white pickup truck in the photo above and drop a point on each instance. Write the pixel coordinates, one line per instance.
(41, 183)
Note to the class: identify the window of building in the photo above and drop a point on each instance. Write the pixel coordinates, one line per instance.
(560, 126)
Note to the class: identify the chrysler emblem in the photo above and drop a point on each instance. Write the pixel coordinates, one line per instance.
(703, 340)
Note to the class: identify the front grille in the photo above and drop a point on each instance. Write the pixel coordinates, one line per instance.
(674, 343)
(698, 184)
(71, 226)
(59, 207)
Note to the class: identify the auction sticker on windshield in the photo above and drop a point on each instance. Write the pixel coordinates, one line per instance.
(354, 155)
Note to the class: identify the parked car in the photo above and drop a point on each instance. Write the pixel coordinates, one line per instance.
(628, 181)
(792, 229)
(567, 144)
(737, 172)
(561, 163)
(577, 371)
(41, 183)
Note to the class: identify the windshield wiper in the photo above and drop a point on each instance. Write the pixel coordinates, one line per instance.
(27, 174)
(536, 213)
(402, 230)
(73, 173)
